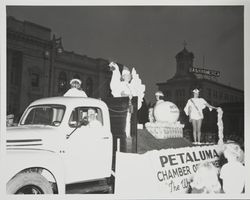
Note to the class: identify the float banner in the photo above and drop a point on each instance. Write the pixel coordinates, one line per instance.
(161, 172)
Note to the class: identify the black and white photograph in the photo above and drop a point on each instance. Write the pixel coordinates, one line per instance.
(125, 101)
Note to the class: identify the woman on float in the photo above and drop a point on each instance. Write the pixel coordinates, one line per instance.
(193, 109)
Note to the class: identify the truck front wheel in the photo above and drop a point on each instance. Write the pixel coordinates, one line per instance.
(29, 183)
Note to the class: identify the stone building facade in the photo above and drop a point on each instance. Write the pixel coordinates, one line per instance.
(38, 66)
(179, 88)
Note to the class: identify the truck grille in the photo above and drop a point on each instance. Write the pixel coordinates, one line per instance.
(24, 143)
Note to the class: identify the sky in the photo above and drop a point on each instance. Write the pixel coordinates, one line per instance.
(149, 37)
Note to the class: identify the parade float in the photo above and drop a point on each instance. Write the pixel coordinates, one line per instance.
(165, 162)
(170, 167)
(166, 166)
(165, 122)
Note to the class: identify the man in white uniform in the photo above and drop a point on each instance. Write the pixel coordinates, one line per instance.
(159, 97)
(75, 90)
(120, 83)
(92, 118)
(126, 84)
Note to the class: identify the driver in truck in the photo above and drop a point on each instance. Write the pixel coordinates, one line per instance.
(92, 118)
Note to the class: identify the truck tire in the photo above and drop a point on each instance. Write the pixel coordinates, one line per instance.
(29, 183)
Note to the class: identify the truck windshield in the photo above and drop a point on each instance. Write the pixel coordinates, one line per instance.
(44, 115)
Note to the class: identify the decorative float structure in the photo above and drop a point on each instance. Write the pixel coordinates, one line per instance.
(164, 121)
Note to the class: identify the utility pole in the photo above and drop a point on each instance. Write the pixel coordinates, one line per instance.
(56, 47)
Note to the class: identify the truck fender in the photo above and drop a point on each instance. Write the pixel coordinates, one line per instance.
(52, 162)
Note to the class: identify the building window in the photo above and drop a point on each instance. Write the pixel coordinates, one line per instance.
(13, 104)
(62, 82)
(209, 92)
(35, 79)
(220, 95)
(226, 97)
(169, 93)
(231, 98)
(176, 93)
(15, 74)
(77, 76)
(215, 94)
(166, 93)
(89, 86)
(180, 93)
(183, 93)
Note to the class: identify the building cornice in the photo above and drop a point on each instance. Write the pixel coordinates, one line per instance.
(173, 81)
(78, 60)
(223, 85)
(15, 35)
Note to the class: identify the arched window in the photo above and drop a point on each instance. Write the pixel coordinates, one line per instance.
(35, 76)
(89, 86)
(62, 82)
(77, 76)
(35, 79)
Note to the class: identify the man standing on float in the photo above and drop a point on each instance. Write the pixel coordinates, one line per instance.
(126, 84)
(75, 89)
(120, 83)
(193, 109)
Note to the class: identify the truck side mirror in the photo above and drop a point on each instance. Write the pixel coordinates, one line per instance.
(73, 123)
(56, 123)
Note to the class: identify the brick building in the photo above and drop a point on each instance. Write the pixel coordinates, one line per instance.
(179, 88)
(38, 66)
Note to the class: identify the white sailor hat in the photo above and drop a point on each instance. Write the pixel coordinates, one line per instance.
(196, 91)
(125, 70)
(75, 80)
(159, 93)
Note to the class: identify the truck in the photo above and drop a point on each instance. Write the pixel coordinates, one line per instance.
(53, 146)
(55, 149)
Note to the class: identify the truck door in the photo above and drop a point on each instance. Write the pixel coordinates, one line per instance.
(89, 146)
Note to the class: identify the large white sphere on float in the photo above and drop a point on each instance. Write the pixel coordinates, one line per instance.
(166, 112)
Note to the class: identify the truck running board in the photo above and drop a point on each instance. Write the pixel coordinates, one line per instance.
(94, 187)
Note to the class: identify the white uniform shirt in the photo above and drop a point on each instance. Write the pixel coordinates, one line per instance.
(233, 176)
(74, 92)
(119, 88)
(190, 108)
(95, 123)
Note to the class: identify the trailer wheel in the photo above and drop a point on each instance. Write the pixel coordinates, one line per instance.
(29, 183)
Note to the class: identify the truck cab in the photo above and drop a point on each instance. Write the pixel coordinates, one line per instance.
(57, 143)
